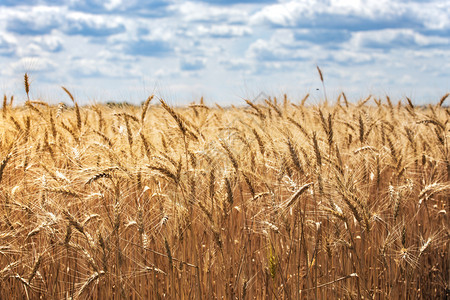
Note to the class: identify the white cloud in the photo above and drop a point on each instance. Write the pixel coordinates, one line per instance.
(347, 57)
(222, 31)
(192, 64)
(236, 64)
(32, 64)
(50, 43)
(281, 14)
(199, 12)
(435, 16)
(113, 4)
(217, 45)
(40, 46)
(282, 46)
(36, 20)
(8, 44)
(395, 38)
(354, 14)
(93, 25)
(105, 64)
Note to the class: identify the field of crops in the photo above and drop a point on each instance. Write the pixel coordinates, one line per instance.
(278, 199)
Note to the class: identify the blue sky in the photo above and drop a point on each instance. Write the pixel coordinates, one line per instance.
(226, 51)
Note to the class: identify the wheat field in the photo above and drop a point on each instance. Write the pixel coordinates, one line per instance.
(279, 199)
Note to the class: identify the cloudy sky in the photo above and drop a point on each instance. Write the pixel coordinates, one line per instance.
(226, 51)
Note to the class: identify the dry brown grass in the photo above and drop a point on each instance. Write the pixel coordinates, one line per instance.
(271, 200)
